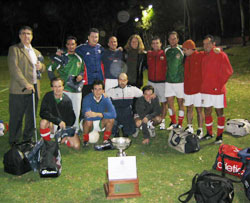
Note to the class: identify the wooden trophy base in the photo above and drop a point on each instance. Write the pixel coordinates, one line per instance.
(117, 189)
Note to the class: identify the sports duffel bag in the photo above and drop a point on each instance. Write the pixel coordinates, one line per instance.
(210, 188)
(227, 160)
(237, 127)
(183, 141)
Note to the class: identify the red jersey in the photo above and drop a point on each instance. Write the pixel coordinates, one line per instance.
(157, 66)
(193, 73)
(216, 70)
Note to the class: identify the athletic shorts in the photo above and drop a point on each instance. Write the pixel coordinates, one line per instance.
(159, 90)
(97, 126)
(216, 101)
(174, 90)
(109, 83)
(192, 99)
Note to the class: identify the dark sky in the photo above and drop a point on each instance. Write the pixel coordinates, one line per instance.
(52, 21)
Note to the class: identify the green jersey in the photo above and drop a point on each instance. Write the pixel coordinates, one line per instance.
(75, 66)
(175, 69)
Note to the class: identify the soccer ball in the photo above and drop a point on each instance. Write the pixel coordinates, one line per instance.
(94, 136)
(2, 128)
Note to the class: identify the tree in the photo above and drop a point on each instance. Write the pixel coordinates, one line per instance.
(221, 17)
(242, 24)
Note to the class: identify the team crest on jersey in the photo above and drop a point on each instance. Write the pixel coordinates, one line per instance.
(161, 58)
(87, 53)
(178, 56)
(99, 51)
(78, 64)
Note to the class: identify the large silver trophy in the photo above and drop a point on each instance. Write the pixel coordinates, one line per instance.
(121, 143)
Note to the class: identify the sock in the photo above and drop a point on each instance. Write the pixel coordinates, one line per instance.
(85, 137)
(67, 143)
(209, 124)
(180, 117)
(45, 134)
(106, 135)
(220, 125)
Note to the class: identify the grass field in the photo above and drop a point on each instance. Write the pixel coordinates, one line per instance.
(163, 173)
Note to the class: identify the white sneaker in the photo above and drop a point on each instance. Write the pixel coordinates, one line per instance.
(172, 126)
(150, 124)
(162, 125)
(137, 130)
(199, 133)
(189, 129)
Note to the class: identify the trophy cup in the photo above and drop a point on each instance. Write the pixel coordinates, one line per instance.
(122, 174)
(121, 143)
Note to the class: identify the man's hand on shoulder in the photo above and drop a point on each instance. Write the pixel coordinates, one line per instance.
(217, 50)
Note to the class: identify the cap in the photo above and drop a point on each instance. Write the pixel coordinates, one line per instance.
(189, 44)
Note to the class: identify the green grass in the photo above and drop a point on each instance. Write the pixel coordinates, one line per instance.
(163, 172)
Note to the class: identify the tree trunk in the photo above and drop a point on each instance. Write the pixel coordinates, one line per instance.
(189, 20)
(242, 24)
(221, 18)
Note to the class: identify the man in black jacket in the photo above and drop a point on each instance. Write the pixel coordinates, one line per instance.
(148, 113)
(57, 112)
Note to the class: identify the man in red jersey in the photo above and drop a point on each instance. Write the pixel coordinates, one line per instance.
(216, 70)
(192, 85)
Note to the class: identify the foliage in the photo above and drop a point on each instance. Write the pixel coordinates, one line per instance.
(163, 173)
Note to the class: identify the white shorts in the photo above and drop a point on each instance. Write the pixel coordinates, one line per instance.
(192, 99)
(159, 90)
(210, 100)
(97, 126)
(109, 83)
(174, 89)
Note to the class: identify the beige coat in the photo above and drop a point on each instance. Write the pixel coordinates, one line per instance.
(21, 69)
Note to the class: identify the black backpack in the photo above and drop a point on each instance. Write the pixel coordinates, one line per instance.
(210, 188)
(15, 161)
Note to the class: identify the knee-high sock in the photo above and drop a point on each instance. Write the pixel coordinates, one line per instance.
(180, 117)
(172, 116)
(86, 137)
(106, 135)
(209, 124)
(220, 125)
(45, 134)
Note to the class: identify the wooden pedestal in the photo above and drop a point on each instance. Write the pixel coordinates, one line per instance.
(117, 189)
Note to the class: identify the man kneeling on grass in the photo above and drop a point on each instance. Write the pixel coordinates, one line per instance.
(148, 113)
(99, 113)
(57, 112)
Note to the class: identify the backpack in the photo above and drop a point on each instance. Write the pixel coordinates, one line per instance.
(228, 161)
(183, 141)
(237, 127)
(15, 161)
(210, 188)
(50, 160)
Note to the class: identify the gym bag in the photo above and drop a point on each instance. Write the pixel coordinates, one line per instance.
(15, 161)
(237, 127)
(244, 154)
(210, 188)
(183, 141)
(227, 160)
(50, 160)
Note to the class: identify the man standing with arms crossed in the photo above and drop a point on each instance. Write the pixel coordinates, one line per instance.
(216, 70)
(174, 79)
(24, 64)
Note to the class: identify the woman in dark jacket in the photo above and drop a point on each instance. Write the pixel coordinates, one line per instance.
(136, 60)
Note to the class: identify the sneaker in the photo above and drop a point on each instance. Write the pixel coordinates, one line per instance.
(189, 129)
(150, 124)
(199, 133)
(136, 133)
(218, 140)
(151, 132)
(106, 145)
(162, 125)
(206, 137)
(85, 144)
(171, 126)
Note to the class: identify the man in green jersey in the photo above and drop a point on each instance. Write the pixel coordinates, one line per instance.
(174, 79)
(73, 68)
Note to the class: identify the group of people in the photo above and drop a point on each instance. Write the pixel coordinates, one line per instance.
(111, 98)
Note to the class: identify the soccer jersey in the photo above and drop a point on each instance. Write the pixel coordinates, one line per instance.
(175, 70)
(75, 66)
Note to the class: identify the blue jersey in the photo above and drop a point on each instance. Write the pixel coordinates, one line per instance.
(104, 106)
(94, 69)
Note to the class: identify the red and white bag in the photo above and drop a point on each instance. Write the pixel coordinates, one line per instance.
(228, 157)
